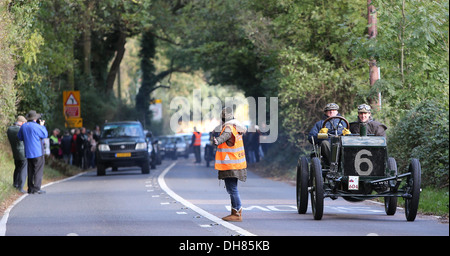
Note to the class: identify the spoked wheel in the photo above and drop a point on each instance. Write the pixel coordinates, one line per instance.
(413, 188)
(317, 189)
(302, 185)
(390, 202)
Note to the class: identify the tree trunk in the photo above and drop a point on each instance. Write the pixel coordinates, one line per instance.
(87, 43)
(373, 68)
(120, 51)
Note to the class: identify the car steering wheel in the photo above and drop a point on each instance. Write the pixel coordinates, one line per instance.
(342, 119)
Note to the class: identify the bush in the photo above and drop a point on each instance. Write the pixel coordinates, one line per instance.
(423, 133)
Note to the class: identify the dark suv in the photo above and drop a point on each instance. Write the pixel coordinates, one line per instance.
(122, 144)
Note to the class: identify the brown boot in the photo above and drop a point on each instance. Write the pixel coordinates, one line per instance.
(235, 216)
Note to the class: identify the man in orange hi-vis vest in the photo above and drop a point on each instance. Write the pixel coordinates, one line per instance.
(230, 160)
(196, 143)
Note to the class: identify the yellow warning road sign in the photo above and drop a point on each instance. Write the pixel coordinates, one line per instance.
(72, 104)
(72, 109)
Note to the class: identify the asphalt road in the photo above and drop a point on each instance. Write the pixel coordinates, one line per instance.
(181, 198)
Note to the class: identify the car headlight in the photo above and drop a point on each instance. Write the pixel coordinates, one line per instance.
(141, 145)
(103, 147)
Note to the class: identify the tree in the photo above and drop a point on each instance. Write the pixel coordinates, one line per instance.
(412, 50)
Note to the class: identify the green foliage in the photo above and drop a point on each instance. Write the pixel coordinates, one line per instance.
(423, 133)
(7, 73)
(307, 85)
(314, 63)
(434, 201)
(412, 51)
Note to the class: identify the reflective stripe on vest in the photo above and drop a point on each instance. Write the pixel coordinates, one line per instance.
(231, 158)
(198, 139)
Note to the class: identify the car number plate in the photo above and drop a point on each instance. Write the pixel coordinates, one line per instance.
(128, 154)
(353, 182)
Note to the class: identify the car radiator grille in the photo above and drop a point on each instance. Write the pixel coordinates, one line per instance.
(122, 147)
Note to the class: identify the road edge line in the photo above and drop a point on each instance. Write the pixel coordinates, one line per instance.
(5, 216)
(163, 186)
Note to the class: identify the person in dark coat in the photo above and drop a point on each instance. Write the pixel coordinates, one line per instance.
(365, 118)
(330, 110)
(66, 144)
(18, 149)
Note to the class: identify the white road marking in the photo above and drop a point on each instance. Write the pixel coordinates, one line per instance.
(195, 208)
(5, 217)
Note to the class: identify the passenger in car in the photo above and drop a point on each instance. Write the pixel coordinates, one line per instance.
(365, 118)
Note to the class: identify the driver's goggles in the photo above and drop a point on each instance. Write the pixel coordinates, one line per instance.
(364, 107)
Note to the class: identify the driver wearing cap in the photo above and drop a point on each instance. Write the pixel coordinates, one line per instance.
(330, 110)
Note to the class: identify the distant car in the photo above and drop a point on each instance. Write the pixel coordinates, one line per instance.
(170, 147)
(182, 142)
(123, 144)
(162, 141)
(188, 139)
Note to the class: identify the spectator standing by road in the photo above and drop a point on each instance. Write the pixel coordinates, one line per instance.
(230, 160)
(31, 133)
(18, 149)
(82, 141)
(196, 143)
(54, 143)
(66, 144)
(91, 150)
(74, 148)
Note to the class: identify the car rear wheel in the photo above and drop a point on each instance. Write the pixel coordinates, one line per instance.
(302, 185)
(317, 189)
(413, 188)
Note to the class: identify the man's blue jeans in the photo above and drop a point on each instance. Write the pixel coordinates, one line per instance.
(231, 186)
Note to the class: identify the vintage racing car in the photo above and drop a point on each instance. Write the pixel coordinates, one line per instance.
(360, 169)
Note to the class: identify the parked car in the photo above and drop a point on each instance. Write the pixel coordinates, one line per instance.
(162, 141)
(183, 142)
(188, 139)
(170, 147)
(123, 144)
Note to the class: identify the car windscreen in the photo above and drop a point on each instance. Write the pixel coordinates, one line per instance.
(122, 130)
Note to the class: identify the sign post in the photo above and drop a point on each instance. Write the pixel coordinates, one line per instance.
(72, 109)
